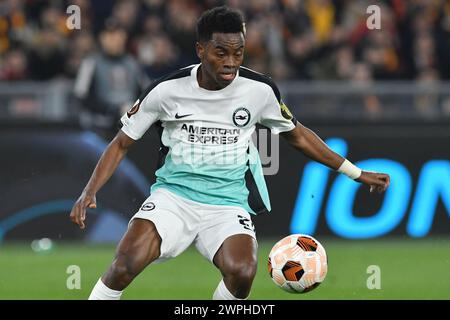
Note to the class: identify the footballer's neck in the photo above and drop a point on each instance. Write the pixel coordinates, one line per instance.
(207, 82)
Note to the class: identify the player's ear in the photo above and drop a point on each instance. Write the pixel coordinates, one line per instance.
(200, 49)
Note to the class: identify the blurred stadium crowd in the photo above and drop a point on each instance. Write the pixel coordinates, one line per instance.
(288, 39)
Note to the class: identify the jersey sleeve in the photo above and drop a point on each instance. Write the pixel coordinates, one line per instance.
(276, 115)
(145, 112)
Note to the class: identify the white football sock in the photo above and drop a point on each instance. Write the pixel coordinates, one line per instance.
(222, 293)
(102, 292)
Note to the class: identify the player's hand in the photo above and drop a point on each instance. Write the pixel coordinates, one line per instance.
(377, 181)
(78, 213)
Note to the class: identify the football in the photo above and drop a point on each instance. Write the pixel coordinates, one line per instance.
(298, 263)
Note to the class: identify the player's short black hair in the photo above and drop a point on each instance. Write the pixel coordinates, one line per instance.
(219, 19)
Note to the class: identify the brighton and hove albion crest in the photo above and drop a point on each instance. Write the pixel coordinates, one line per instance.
(148, 206)
(241, 117)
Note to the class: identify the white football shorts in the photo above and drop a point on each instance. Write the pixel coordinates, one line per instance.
(181, 222)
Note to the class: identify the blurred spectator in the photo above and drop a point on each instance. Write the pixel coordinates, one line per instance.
(53, 19)
(295, 18)
(155, 7)
(424, 52)
(81, 45)
(158, 55)
(14, 66)
(256, 56)
(339, 67)
(183, 16)
(14, 26)
(380, 52)
(362, 77)
(443, 40)
(321, 13)
(125, 12)
(427, 103)
(153, 25)
(288, 39)
(108, 82)
(47, 56)
(300, 53)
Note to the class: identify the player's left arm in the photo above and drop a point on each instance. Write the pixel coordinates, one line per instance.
(307, 142)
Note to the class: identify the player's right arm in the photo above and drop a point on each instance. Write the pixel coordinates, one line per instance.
(109, 161)
(136, 122)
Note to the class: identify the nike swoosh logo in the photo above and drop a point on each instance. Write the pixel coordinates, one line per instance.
(177, 116)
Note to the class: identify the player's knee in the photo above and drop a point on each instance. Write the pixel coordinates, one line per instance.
(238, 277)
(148, 234)
(242, 272)
(124, 269)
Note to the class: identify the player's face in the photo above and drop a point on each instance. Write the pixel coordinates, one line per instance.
(221, 58)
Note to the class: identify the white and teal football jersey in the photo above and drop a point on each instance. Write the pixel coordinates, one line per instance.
(207, 154)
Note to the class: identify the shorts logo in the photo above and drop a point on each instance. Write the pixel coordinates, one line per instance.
(246, 223)
(241, 117)
(148, 206)
(134, 108)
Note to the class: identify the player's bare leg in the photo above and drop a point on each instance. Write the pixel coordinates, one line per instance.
(237, 261)
(138, 248)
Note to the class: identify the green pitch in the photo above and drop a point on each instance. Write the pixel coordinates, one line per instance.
(410, 269)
